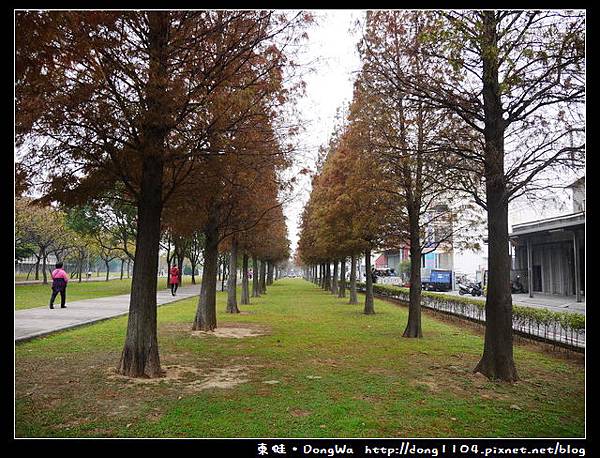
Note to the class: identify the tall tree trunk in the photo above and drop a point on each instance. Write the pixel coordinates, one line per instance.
(140, 353)
(206, 312)
(193, 272)
(342, 283)
(122, 268)
(245, 290)
(108, 271)
(413, 326)
(263, 277)
(180, 260)
(369, 307)
(255, 277)
(140, 356)
(29, 273)
(232, 306)
(497, 361)
(327, 285)
(129, 268)
(37, 266)
(353, 295)
(270, 272)
(224, 274)
(168, 271)
(44, 273)
(334, 280)
(169, 258)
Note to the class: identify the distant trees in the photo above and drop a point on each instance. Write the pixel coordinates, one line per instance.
(347, 212)
(41, 231)
(67, 234)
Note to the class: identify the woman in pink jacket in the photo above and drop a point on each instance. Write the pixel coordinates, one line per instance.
(59, 285)
(174, 280)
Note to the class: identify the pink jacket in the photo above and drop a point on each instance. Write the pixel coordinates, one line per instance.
(174, 274)
(60, 273)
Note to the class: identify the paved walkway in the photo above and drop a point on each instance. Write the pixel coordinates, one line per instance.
(39, 321)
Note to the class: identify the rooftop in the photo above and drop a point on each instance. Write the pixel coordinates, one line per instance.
(578, 182)
(549, 224)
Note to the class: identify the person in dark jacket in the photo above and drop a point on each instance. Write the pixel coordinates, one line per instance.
(59, 285)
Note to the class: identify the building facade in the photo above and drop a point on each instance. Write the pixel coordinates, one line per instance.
(549, 254)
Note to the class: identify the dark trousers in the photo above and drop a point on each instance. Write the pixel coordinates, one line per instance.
(174, 287)
(63, 296)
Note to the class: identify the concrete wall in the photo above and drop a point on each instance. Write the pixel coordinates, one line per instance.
(468, 262)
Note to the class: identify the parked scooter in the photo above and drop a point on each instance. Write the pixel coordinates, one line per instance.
(463, 289)
(516, 287)
(474, 289)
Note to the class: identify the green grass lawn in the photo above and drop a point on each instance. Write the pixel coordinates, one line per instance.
(320, 369)
(38, 295)
(23, 276)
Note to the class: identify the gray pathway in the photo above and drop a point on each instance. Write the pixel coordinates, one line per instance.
(39, 321)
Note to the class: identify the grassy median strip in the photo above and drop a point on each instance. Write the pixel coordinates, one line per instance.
(310, 366)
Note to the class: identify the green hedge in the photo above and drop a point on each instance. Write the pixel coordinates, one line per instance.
(529, 316)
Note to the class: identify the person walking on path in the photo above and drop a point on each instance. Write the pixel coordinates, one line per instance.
(174, 280)
(59, 285)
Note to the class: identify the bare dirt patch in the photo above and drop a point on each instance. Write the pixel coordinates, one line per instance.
(235, 331)
(429, 384)
(190, 378)
(458, 380)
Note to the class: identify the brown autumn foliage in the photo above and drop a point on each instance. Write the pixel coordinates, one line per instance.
(146, 99)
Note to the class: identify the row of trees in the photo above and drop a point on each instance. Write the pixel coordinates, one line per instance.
(485, 104)
(69, 235)
(182, 112)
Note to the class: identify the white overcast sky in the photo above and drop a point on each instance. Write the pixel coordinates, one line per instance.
(332, 45)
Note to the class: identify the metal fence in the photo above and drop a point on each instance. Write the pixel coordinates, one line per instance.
(553, 332)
